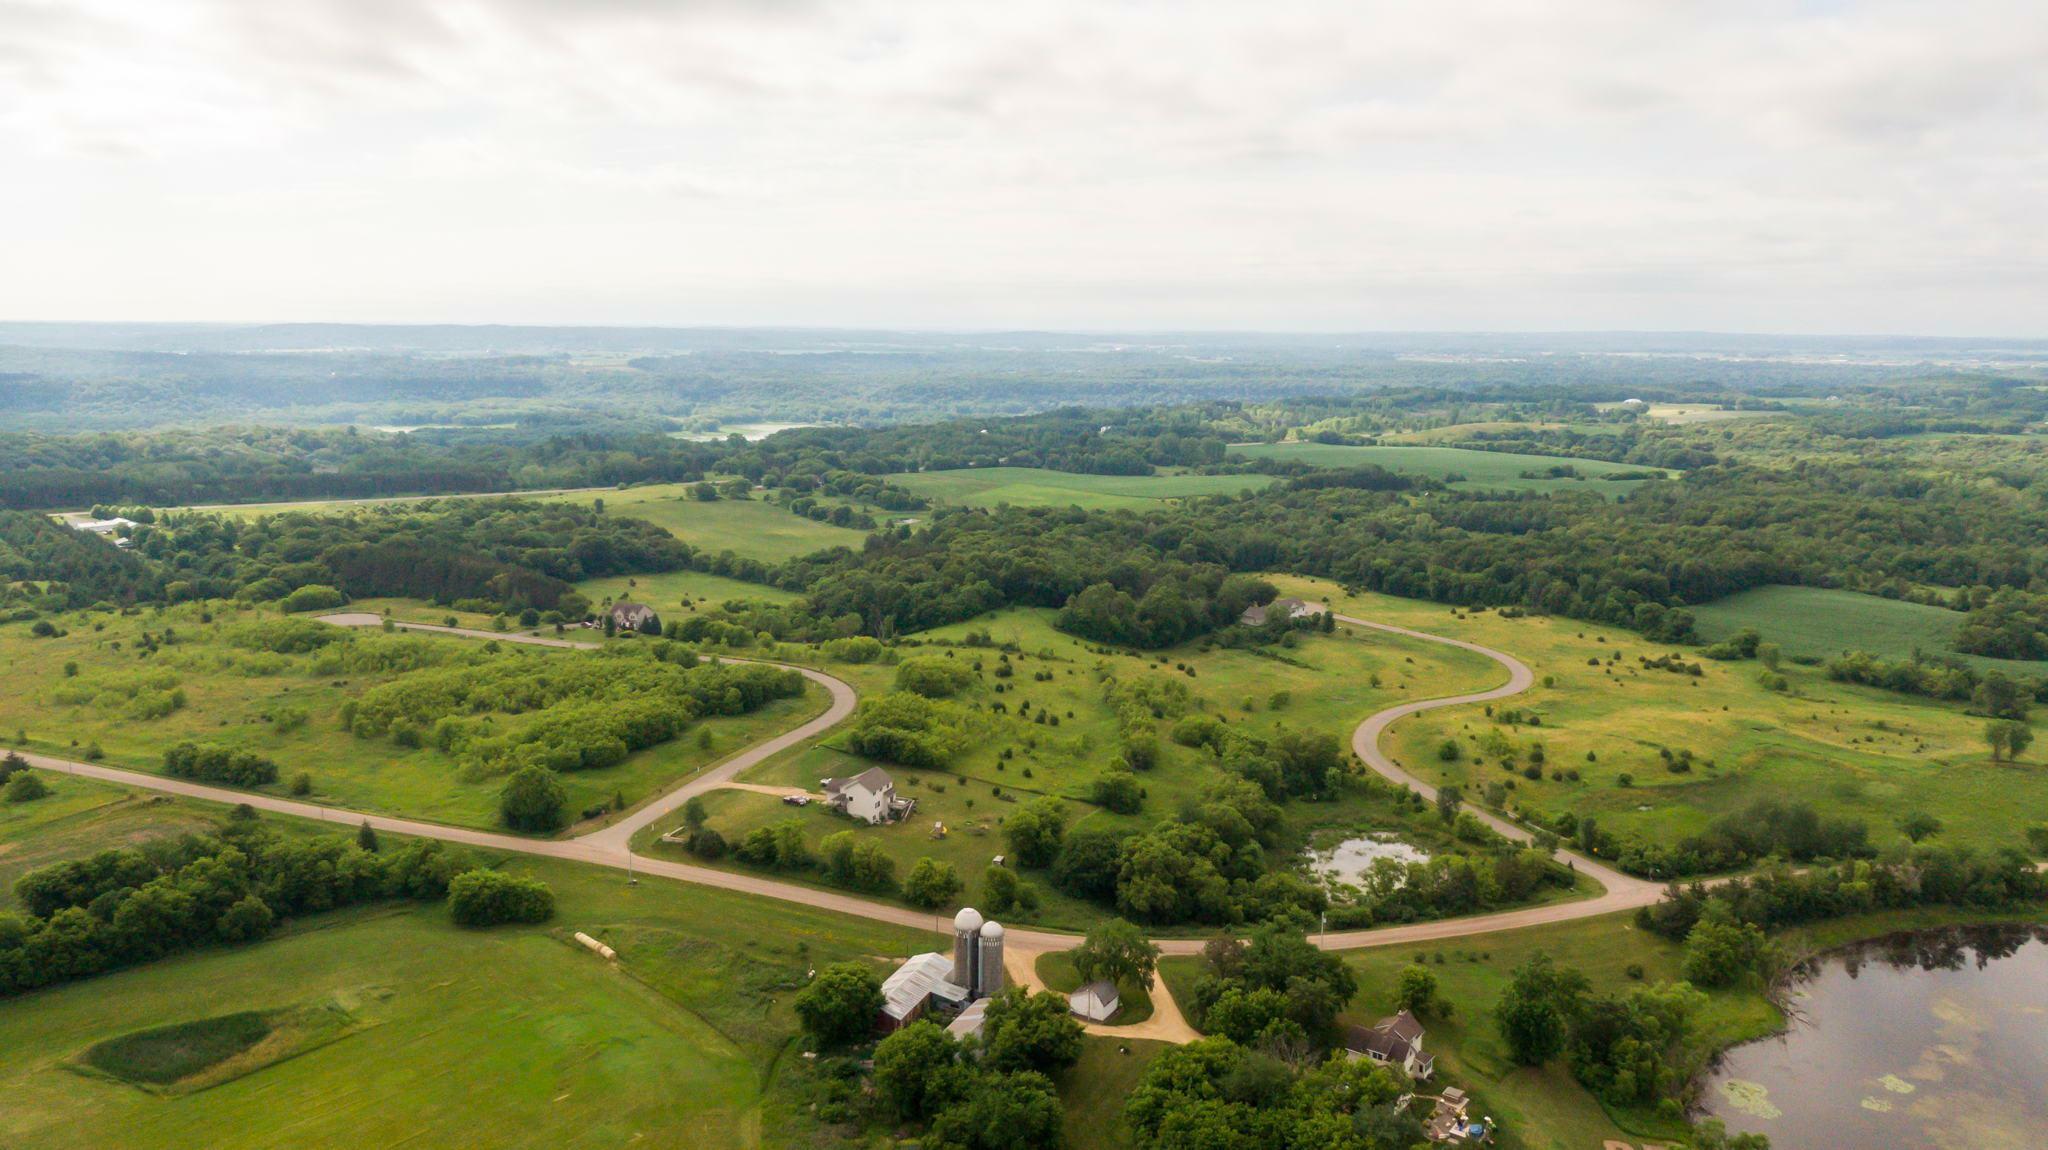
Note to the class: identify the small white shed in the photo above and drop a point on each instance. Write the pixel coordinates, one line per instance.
(1095, 1002)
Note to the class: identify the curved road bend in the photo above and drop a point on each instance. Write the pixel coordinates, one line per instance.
(608, 846)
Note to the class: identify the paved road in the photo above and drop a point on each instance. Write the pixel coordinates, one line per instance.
(608, 846)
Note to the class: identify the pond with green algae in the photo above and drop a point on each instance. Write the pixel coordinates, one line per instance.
(1935, 1040)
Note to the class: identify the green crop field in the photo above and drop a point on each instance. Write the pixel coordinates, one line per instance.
(1038, 487)
(1825, 623)
(749, 528)
(1848, 750)
(1482, 470)
(278, 706)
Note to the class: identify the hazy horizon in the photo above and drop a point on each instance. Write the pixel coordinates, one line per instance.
(1312, 167)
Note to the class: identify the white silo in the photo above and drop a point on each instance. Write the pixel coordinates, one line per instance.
(966, 934)
(990, 961)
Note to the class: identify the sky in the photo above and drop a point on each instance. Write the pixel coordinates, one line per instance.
(1357, 166)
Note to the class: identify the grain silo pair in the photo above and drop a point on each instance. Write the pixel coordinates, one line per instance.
(957, 986)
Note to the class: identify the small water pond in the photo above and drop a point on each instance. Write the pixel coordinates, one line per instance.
(1350, 860)
(1936, 1040)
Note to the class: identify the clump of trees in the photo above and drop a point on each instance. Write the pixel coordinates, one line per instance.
(488, 897)
(909, 729)
(1627, 1048)
(211, 763)
(123, 907)
(1277, 990)
(1216, 1092)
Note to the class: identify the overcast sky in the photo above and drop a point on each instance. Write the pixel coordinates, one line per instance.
(1820, 167)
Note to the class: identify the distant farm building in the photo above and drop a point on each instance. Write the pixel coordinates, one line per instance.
(1396, 1041)
(635, 617)
(1095, 1002)
(869, 796)
(1257, 614)
(957, 986)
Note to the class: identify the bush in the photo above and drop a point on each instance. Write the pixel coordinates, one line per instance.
(839, 1005)
(488, 897)
(707, 843)
(214, 764)
(25, 787)
(533, 800)
(934, 678)
(1118, 791)
(312, 597)
(931, 884)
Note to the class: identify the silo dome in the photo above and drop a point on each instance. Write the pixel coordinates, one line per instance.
(967, 921)
(993, 930)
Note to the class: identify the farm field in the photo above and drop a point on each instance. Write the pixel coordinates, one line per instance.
(1483, 470)
(280, 707)
(1324, 683)
(681, 1044)
(1825, 623)
(83, 816)
(749, 528)
(1038, 487)
(1848, 750)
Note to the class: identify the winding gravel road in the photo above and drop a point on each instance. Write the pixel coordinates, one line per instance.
(608, 846)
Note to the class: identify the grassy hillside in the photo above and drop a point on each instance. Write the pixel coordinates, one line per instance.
(1037, 487)
(1825, 623)
(750, 528)
(681, 1044)
(1848, 750)
(1482, 470)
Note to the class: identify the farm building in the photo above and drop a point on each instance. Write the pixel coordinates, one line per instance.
(869, 796)
(1256, 614)
(635, 617)
(955, 985)
(1396, 1041)
(1095, 1002)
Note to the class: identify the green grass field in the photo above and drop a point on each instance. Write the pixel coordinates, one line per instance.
(1848, 750)
(1483, 470)
(511, 1037)
(750, 528)
(1825, 623)
(1330, 683)
(1038, 487)
(233, 697)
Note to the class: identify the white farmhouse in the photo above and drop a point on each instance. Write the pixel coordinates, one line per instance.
(869, 796)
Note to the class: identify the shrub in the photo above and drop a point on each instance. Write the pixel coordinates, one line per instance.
(934, 678)
(312, 597)
(25, 787)
(214, 764)
(533, 800)
(302, 783)
(488, 897)
(839, 1005)
(1118, 791)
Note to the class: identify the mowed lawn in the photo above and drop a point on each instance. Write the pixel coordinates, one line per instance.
(1482, 470)
(1825, 623)
(1038, 487)
(1847, 750)
(508, 1037)
(749, 528)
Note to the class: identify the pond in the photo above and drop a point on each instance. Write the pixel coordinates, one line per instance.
(1348, 861)
(1936, 1040)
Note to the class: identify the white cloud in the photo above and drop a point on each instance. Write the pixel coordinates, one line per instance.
(1608, 163)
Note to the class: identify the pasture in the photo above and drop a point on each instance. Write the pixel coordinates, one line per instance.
(70, 694)
(1848, 750)
(1038, 487)
(1825, 623)
(1481, 470)
(683, 1043)
(749, 528)
(1324, 683)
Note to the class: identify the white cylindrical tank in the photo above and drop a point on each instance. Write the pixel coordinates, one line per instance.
(990, 960)
(966, 930)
